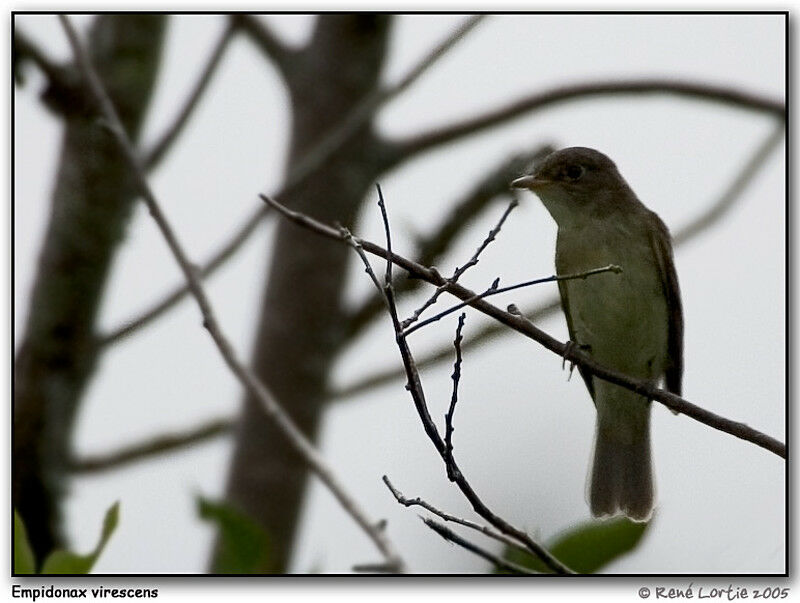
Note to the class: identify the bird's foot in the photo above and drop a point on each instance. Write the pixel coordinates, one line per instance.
(571, 345)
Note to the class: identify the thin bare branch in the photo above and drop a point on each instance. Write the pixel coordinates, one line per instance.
(406, 148)
(180, 291)
(495, 289)
(431, 247)
(451, 411)
(153, 157)
(458, 273)
(251, 383)
(499, 562)
(414, 387)
(487, 531)
(571, 353)
(153, 447)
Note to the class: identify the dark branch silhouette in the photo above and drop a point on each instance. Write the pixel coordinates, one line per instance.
(405, 148)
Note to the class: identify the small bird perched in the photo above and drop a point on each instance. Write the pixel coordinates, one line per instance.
(631, 321)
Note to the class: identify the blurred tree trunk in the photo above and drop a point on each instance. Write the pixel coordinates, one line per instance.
(301, 326)
(91, 206)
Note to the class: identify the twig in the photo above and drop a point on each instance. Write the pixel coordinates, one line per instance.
(414, 387)
(451, 411)
(461, 270)
(153, 447)
(418, 502)
(572, 353)
(255, 388)
(495, 290)
(159, 150)
(432, 246)
(404, 149)
(180, 291)
(451, 536)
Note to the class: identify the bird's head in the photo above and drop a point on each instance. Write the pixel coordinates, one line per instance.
(575, 182)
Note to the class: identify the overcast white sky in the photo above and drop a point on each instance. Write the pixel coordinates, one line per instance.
(523, 432)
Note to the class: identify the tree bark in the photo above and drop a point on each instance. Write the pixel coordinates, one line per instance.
(91, 206)
(301, 326)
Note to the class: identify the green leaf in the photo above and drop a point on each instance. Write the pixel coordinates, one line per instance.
(66, 562)
(588, 547)
(244, 546)
(24, 561)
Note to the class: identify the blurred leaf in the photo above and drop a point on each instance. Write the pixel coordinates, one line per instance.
(244, 545)
(588, 547)
(24, 562)
(66, 562)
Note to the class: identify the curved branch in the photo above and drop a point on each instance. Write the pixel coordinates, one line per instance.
(402, 150)
(223, 254)
(159, 150)
(245, 376)
(524, 326)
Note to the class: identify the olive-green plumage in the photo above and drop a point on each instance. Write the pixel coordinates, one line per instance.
(631, 321)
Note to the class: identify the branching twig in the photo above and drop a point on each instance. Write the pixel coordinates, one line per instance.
(217, 260)
(418, 502)
(461, 270)
(159, 150)
(451, 411)
(404, 149)
(432, 246)
(251, 383)
(494, 289)
(451, 536)
(571, 353)
(414, 387)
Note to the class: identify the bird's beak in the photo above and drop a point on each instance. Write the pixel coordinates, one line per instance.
(529, 182)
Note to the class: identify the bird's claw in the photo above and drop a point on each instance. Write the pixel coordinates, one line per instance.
(567, 350)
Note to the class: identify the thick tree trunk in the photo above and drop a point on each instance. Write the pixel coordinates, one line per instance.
(300, 328)
(91, 206)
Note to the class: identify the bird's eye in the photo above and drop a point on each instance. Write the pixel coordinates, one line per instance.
(574, 172)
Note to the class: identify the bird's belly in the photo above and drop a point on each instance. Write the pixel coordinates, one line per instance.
(621, 317)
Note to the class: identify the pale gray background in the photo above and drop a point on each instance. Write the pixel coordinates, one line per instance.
(523, 432)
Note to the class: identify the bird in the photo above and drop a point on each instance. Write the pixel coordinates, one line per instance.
(631, 321)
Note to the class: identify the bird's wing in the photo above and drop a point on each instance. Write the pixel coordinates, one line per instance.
(662, 250)
(587, 376)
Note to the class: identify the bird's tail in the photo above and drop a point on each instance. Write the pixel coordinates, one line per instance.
(621, 474)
